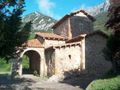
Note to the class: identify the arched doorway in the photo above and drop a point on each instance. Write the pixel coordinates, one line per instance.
(31, 62)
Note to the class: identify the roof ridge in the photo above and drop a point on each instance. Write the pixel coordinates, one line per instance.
(33, 43)
(72, 14)
(50, 36)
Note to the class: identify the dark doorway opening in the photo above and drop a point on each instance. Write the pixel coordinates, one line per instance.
(31, 63)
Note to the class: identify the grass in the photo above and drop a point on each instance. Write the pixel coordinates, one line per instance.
(112, 82)
(4, 67)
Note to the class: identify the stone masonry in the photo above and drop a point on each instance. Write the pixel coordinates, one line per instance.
(73, 45)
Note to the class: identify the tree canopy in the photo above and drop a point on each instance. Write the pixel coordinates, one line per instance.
(10, 23)
(113, 44)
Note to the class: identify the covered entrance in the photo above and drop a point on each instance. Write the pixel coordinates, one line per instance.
(31, 62)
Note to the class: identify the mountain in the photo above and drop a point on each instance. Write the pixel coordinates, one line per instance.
(103, 7)
(100, 13)
(39, 22)
(101, 19)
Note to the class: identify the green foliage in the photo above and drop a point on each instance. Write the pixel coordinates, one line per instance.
(113, 44)
(105, 84)
(101, 19)
(32, 35)
(25, 62)
(100, 22)
(114, 17)
(4, 67)
(11, 35)
(48, 31)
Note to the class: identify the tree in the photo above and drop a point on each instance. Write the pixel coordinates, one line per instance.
(10, 23)
(113, 44)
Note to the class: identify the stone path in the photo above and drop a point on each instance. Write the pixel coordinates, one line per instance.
(30, 82)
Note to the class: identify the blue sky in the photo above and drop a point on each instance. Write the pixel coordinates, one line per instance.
(58, 8)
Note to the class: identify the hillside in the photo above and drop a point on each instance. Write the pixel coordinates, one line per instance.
(103, 7)
(100, 22)
(39, 22)
(101, 19)
(43, 23)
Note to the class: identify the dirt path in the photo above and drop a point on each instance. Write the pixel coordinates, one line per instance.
(30, 82)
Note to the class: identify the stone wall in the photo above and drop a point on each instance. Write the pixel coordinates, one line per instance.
(40, 39)
(50, 61)
(62, 29)
(41, 65)
(49, 43)
(80, 25)
(67, 58)
(74, 26)
(95, 61)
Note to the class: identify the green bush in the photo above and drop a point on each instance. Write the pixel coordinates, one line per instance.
(105, 84)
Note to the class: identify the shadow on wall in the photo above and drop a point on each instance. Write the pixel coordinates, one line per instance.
(81, 25)
(78, 78)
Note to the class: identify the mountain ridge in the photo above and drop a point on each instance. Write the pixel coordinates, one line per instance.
(103, 7)
(41, 22)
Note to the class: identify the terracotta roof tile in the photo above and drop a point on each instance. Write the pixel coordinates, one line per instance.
(33, 43)
(76, 39)
(50, 36)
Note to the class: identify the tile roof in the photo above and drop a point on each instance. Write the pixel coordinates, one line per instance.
(98, 32)
(76, 39)
(33, 43)
(80, 37)
(51, 36)
(72, 14)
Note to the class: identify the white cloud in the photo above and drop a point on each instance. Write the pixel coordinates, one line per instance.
(85, 7)
(46, 7)
(82, 7)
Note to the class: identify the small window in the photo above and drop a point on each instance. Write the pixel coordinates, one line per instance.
(69, 56)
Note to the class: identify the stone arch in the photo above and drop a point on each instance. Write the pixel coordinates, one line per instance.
(34, 62)
(39, 53)
(17, 62)
(29, 49)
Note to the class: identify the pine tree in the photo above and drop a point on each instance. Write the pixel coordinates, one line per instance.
(10, 23)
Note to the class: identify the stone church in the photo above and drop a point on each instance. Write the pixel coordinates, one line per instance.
(72, 45)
